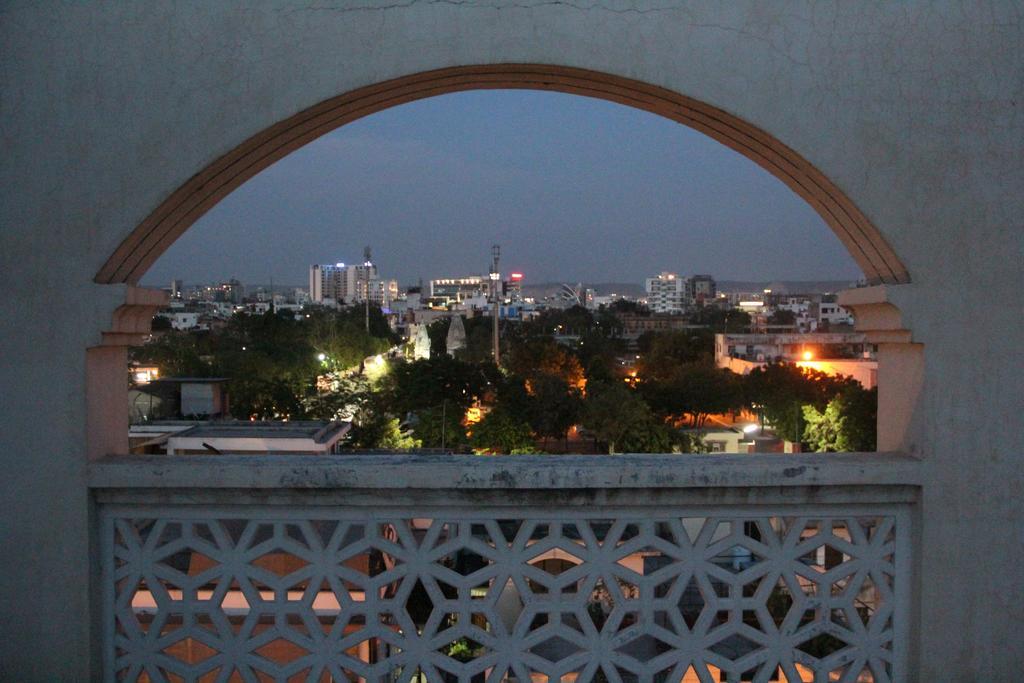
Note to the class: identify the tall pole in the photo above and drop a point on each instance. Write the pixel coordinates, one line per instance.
(495, 304)
(367, 263)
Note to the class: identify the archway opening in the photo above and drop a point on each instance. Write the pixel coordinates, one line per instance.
(731, 351)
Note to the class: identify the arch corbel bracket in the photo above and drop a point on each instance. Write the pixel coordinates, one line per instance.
(875, 314)
(900, 364)
(133, 319)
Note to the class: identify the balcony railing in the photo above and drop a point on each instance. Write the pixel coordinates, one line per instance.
(373, 568)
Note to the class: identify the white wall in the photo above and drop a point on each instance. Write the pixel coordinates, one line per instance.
(913, 109)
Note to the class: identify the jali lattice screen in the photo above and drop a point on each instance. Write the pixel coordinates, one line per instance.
(493, 595)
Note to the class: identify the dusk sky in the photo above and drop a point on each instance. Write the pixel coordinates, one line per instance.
(572, 188)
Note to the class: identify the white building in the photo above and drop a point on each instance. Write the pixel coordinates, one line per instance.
(295, 438)
(666, 293)
(458, 289)
(348, 284)
(182, 320)
(830, 313)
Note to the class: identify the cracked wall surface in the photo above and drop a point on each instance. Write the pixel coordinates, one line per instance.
(913, 109)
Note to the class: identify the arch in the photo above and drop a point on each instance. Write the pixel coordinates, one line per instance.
(200, 193)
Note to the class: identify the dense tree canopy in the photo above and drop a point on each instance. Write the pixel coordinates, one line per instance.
(847, 423)
(563, 368)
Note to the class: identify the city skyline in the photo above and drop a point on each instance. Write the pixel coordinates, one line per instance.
(560, 181)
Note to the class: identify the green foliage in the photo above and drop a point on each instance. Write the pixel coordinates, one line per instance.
(272, 360)
(848, 422)
(782, 317)
(555, 406)
(349, 396)
(661, 353)
(629, 307)
(722, 321)
(620, 419)
(380, 430)
(502, 432)
(411, 386)
(342, 337)
(695, 390)
(437, 331)
(440, 427)
(265, 399)
(533, 359)
(177, 354)
(779, 391)
(479, 340)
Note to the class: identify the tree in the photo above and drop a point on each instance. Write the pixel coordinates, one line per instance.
(534, 358)
(782, 316)
(661, 353)
(411, 386)
(177, 354)
(555, 406)
(717, 320)
(380, 430)
(341, 337)
(847, 423)
(502, 432)
(161, 323)
(695, 390)
(440, 427)
(778, 392)
(628, 306)
(620, 419)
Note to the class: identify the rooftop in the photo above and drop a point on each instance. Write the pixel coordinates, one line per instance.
(317, 430)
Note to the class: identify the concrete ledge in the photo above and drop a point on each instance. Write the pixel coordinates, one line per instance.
(520, 472)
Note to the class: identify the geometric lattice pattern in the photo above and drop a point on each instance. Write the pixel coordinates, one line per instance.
(365, 596)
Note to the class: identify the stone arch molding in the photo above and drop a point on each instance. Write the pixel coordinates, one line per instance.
(200, 193)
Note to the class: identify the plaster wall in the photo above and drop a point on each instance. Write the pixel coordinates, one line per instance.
(913, 109)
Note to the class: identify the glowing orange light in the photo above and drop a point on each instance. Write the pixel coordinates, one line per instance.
(808, 355)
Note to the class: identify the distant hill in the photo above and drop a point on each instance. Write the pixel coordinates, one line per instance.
(787, 286)
(634, 289)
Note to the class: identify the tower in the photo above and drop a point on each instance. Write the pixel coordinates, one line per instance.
(495, 302)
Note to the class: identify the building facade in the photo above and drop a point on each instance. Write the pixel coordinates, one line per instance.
(666, 293)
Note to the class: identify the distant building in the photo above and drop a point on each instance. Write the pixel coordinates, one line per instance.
(634, 324)
(349, 284)
(666, 293)
(700, 289)
(382, 292)
(838, 353)
(827, 312)
(457, 289)
(338, 281)
(514, 288)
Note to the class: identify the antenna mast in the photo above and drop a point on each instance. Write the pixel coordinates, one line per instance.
(367, 264)
(495, 303)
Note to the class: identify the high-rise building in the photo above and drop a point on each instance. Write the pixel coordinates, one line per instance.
(382, 292)
(700, 289)
(340, 282)
(666, 293)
